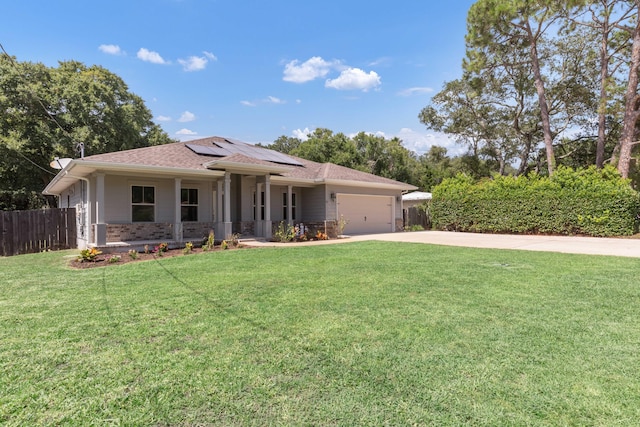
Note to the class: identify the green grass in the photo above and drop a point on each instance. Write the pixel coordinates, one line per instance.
(363, 333)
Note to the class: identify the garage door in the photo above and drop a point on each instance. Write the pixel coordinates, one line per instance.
(366, 214)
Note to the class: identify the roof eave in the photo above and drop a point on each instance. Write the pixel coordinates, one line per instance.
(364, 184)
(245, 167)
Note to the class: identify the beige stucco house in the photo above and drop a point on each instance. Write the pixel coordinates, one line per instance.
(178, 192)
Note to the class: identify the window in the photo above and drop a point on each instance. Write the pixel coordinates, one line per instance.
(189, 204)
(285, 209)
(258, 210)
(143, 201)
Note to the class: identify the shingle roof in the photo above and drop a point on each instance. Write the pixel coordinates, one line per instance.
(178, 155)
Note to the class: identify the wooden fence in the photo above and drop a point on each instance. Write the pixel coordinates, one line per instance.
(23, 232)
(416, 216)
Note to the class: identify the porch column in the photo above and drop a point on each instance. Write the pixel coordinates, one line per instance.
(259, 220)
(100, 228)
(177, 217)
(290, 204)
(267, 207)
(227, 205)
(219, 211)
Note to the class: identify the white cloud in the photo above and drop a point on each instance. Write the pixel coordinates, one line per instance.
(274, 100)
(197, 63)
(150, 56)
(187, 116)
(184, 131)
(110, 49)
(163, 118)
(354, 79)
(267, 100)
(193, 63)
(415, 91)
(302, 135)
(421, 142)
(311, 69)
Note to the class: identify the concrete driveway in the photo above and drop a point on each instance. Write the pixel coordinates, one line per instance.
(626, 247)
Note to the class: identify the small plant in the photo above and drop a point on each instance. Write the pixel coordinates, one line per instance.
(89, 255)
(321, 236)
(133, 254)
(414, 227)
(224, 245)
(341, 224)
(233, 240)
(284, 233)
(113, 259)
(210, 242)
(188, 248)
(146, 249)
(161, 248)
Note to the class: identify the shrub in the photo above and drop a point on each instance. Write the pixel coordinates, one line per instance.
(224, 245)
(587, 201)
(113, 259)
(284, 233)
(133, 254)
(209, 243)
(188, 248)
(88, 255)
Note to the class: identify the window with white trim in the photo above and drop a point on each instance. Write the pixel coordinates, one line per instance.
(143, 203)
(189, 205)
(285, 206)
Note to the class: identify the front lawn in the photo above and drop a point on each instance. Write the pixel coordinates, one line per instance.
(365, 333)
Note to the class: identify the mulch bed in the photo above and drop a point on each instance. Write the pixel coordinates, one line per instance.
(103, 260)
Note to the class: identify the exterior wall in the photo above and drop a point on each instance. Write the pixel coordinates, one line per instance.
(315, 201)
(74, 197)
(140, 231)
(196, 230)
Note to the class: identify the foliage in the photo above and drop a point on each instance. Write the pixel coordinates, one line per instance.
(89, 254)
(188, 248)
(47, 111)
(284, 233)
(321, 235)
(224, 245)
(114, 259)
(161, 248)
(341, 224)
(589, 201)
(209, 243)
(133, 254)
(414, 227)
(362, 333)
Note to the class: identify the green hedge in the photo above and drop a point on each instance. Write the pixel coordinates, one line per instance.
(596, 202)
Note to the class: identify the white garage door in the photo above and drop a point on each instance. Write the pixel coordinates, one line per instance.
(366, 214)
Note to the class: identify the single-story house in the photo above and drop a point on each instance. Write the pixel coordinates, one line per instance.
(180, 191)
(414, 198)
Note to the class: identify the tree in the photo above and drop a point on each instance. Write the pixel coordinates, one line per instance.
(47, 111)
(604, 19)
(496, 25)
(632, 102)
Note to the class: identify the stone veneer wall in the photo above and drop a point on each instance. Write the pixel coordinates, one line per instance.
(330, 227)
(399, 224)
(196, 230)
(139, 231)
(245, 228)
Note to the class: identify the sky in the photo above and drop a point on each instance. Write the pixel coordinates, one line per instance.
(255, 70)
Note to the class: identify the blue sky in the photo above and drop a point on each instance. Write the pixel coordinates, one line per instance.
(256, 70)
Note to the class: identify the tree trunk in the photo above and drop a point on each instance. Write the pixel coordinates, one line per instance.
(631, 108)
(542, 100)
(602, 106)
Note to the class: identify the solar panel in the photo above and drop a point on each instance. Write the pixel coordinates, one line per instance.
(223, 149)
